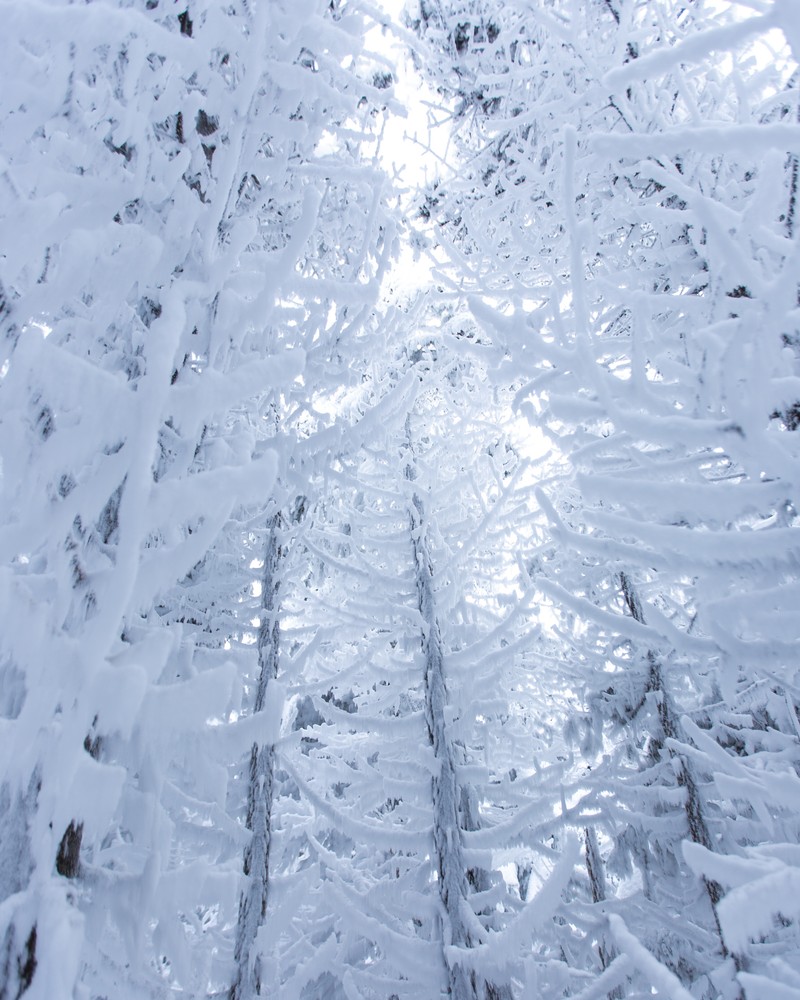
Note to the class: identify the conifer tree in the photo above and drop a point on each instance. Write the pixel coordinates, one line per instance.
(612, 169)
(190, 257)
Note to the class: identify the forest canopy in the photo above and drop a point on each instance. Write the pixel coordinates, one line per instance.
(399, 472)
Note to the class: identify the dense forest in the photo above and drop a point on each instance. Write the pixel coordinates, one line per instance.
(399, 472)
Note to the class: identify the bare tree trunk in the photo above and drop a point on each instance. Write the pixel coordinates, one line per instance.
(465, 984)
(597, 879)
(671, 729)
(253, 903)
(18, 937)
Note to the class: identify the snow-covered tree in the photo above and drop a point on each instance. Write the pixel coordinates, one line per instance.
(402, 782)
(200, 234)
(623, 214)
(319, 675)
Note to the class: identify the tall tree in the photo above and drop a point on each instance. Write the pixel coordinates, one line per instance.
(613, 170)
(196, 216)
(314, 675)
(402, 786)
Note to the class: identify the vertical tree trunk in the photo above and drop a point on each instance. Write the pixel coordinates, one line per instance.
(597, 880)
(253, 903)
(18, 937)
(464, 983)
(671, 729)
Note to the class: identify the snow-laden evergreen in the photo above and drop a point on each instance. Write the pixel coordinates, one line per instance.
(406, 638)
(192, 237)
(391, 786)
(625, 222)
